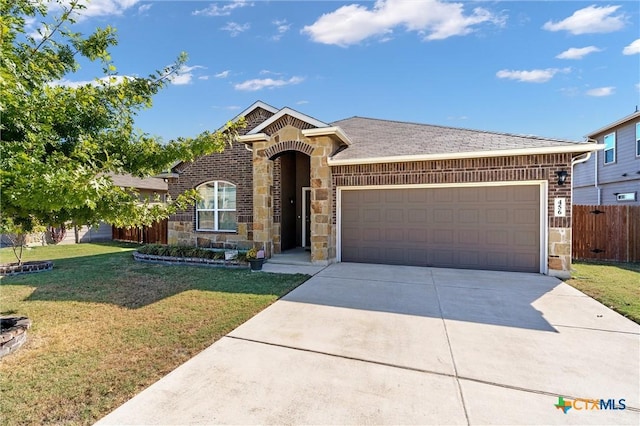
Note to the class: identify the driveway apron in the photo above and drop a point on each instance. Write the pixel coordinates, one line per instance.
(378, 344)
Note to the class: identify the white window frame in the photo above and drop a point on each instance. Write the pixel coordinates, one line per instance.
(637, 139)
(613, 148)
(215, 208)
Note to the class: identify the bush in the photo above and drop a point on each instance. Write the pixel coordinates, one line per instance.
(185, 251)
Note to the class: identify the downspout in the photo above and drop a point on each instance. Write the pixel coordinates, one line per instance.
(598, 189)
(575, 161)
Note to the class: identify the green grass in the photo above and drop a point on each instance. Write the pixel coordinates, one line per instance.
(105, 327)
(616, 285)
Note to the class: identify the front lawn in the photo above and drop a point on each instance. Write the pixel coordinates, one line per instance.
(105, 327)
(616, 285)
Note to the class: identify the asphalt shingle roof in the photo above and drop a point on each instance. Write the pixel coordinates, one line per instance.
(383, 138)
(129, 181)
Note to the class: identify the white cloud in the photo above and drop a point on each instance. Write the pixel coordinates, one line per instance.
(116, 79)
(592, 19)
(302, 102)
(203, 77)
(266, 83)
(184, 75)
(96, 8)
(282, 27)
(432, 19)
(263, 72)
(578, 52)
(601, 91)
(234, 28)
(144, 8)
(533, 76)
(638, 87)
(633, 48)
(223, 74)
(570, 91)
(215, 10)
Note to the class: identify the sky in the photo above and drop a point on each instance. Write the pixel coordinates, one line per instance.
(558, 69)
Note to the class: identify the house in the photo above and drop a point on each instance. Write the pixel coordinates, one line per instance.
(611, 177)
(380, 191)
(151, 189)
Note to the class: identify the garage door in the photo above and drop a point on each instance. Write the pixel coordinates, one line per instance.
(493, 227)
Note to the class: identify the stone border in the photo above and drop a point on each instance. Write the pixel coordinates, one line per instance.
(190, 261)
(13, 334)
(26, 268)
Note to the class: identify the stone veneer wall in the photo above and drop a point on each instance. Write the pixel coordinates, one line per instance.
(232, 165)
(266, 229)
(493, 169)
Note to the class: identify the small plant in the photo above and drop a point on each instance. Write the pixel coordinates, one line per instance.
(252, 254)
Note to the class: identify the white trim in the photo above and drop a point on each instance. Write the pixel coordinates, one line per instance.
(328, 131)
(307, 190)
(215, 209)
(256, 104)
(543, 220)
(292, 113)
(577, 148)
(614, 124)
(615, 145)
(258, 137)
(637, 147)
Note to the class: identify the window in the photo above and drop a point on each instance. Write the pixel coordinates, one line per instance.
(637, 139)
(216, 211)
(610, 148)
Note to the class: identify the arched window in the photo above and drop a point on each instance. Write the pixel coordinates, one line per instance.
(216, 211)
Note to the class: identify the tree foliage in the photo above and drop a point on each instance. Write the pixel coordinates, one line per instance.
(58, 143)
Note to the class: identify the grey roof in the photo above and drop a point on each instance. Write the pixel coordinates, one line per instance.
(373, 138)
(129, 181)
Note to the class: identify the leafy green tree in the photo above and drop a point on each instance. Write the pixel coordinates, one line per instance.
(59, 143)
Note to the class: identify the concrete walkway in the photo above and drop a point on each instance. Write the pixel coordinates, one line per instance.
(374, 344)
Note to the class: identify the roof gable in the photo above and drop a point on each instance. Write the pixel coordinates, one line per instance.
(624, 120)
(252, 107)
(287, 116)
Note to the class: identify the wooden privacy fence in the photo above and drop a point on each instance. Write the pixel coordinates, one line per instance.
(154, 234)
(606, 233)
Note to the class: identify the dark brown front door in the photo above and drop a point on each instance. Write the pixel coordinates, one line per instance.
(489, 227)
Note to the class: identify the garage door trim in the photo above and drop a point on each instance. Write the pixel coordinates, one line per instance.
(543, 185)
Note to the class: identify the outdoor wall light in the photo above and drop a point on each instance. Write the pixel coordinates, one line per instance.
(562, 176)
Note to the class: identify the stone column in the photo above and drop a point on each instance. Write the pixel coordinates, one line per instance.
(262, 199)
(321, 201)
(560, 252)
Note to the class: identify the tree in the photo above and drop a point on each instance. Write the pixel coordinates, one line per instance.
(59, 143)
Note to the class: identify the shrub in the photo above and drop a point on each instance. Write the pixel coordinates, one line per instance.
(186, 251)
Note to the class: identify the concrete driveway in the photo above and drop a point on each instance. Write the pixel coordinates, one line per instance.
(376, 344)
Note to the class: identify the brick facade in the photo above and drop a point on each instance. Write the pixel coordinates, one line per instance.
(257, 174)
(471, 170)
(232, 165)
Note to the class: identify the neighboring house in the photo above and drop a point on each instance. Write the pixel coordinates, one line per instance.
(148, 189)
(152, 189)
(611, 177)
(379, 191)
